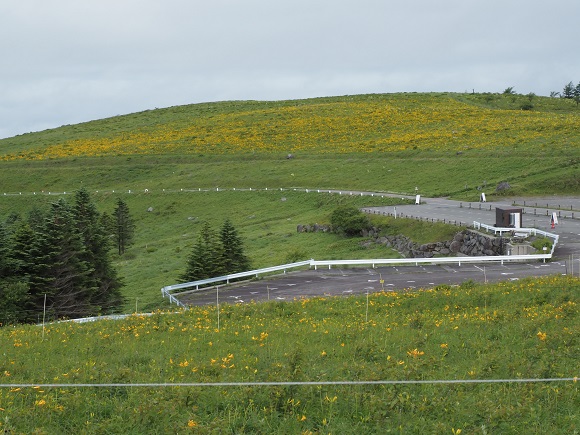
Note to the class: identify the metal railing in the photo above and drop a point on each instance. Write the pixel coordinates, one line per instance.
(531, 231)
(166, 291)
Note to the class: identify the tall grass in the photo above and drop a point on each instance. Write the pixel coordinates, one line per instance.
(515, 330)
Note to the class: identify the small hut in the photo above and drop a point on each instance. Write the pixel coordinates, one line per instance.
(508, 217)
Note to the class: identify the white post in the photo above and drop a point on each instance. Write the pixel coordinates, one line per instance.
(367, 313)
(43, 316)
(217, 293)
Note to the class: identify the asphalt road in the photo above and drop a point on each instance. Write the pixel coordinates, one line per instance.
(347, 281)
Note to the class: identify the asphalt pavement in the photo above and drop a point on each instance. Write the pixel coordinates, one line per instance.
(535, 215)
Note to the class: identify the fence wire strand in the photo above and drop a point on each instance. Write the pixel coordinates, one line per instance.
(291, 383)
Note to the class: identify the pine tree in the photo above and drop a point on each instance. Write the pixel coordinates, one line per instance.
(568, 91)
(233, 257)
(6, 260)
(13, 294)
(26, 255)
(103, 276)
(205, 258)
(62, 272)
(124, 226)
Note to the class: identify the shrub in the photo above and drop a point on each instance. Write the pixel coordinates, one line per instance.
(539, 244)
(349, 221)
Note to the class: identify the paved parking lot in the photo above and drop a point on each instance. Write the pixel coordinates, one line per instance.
(334, 282)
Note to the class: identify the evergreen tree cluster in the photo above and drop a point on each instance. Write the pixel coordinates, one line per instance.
(59, 262)
(570, 92)
(216, 254)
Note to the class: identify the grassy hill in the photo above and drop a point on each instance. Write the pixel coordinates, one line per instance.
(179, 166)
(381, 142)
(444, 144)
(509, 331)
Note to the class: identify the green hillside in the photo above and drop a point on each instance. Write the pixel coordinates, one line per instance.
(260, 164)
(439, 142)
(158, 160)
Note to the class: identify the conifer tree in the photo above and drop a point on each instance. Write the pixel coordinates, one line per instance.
(13, 294)
(103, 276)
(26, 256)
(6, 260)
(205, 258)
(124, 226)
(568, 91)
(233, 257)
(61, 271)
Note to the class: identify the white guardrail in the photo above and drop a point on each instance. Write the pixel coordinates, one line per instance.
(166, 291)
(528, 231)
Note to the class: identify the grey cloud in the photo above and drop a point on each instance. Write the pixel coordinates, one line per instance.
(68, 61)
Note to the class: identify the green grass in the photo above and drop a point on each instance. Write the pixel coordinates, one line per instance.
(516, 330)
(444, 144)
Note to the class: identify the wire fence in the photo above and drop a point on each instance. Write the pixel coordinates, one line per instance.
(290, 383)
(533, 206)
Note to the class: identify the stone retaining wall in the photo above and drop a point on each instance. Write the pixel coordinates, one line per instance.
(466, 242)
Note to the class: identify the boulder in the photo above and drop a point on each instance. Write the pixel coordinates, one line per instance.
(504, 185)
(455, 246)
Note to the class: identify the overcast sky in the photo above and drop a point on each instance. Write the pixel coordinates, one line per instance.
(70, 61)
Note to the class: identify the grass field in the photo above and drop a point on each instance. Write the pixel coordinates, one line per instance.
(515, 330)
(442, 144)
(445, 144)
(180, 166)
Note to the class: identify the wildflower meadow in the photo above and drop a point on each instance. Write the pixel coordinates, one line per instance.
(342, 125)
(500, 358)
(478, 359)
